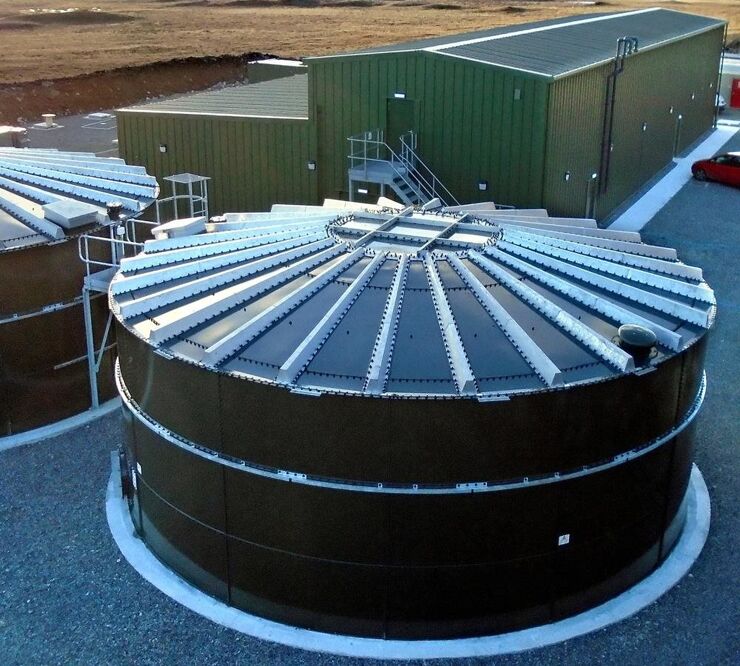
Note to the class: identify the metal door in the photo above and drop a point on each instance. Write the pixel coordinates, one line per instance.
(400, 118)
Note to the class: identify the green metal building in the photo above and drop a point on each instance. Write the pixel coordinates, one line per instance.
(251, 140)
(572, 115)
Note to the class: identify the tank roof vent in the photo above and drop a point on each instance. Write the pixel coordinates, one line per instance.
(639, 341)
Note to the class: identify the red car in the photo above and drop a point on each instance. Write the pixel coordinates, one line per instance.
(722, 168)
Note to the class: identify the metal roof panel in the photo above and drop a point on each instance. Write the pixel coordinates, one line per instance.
(45, 193)
(417, 316)
(285, 97)
(559, 46)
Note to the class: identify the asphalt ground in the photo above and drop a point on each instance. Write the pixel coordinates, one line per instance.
(84, 133)
(68, 597)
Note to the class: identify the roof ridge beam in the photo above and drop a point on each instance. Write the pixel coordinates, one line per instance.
(462, 373)
(604, 251)
(146, 261)
(628, 236)
(229, 345)
(161, 276)
(211, 238)
(91, 194)
(182, 291)
(630, 247)
(666, 337)
(235, 296)
(109, 175)
(38, 224)
(655, 302)
(380, 361)
(604, 348)
(700, 292)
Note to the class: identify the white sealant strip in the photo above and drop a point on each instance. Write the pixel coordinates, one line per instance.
(678, 563)
(58, 427)
(648, 205)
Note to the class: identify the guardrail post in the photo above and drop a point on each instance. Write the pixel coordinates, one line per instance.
(90, 339)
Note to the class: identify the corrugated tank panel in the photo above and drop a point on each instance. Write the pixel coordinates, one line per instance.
(252, 162)
(473, 124)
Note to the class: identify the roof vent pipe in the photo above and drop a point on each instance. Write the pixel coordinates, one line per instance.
(639, 341)
(114, 209)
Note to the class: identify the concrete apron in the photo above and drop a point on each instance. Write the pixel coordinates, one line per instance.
(628, 603)
(59, 427)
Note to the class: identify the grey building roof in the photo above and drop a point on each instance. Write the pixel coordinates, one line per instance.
(455, 304)
(561, 46)
(279, 98)
(46, 195)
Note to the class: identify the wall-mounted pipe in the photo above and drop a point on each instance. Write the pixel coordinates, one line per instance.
(625, 46)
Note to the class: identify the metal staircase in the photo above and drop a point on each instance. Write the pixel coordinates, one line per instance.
(372, 160)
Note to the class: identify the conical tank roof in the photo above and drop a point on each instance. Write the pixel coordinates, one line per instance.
(45, 194)
(410, 303)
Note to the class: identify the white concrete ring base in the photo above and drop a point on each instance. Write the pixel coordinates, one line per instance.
(58, 427)
(628, 603)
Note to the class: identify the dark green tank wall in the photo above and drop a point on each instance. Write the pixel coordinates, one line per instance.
(313, 520)
(43, 363)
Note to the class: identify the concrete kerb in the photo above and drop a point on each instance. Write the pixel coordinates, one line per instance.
(628, 603)
(649, 204)
(58, 427)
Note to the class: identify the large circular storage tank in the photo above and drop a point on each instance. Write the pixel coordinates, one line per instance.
(410, 426)
(47, 200)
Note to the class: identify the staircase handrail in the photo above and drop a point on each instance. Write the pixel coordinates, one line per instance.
(367, 139)
(412, 160)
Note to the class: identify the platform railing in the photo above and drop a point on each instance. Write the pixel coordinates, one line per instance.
(370, 148)
(418, 168)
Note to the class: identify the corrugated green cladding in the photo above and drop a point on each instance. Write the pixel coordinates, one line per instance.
(476, 119)
(252, 162)
(656, 87)
(575, 122)
(471, 122)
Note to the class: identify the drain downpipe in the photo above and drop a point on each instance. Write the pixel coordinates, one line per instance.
(625, 46)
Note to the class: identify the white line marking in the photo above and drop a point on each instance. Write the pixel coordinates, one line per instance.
(529, 31)
(214, 113)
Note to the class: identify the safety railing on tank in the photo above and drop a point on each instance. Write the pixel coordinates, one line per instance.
(110, 250)
(102, 251)
(188, 188)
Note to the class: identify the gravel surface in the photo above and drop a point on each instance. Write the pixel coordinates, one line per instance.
(68, 597)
